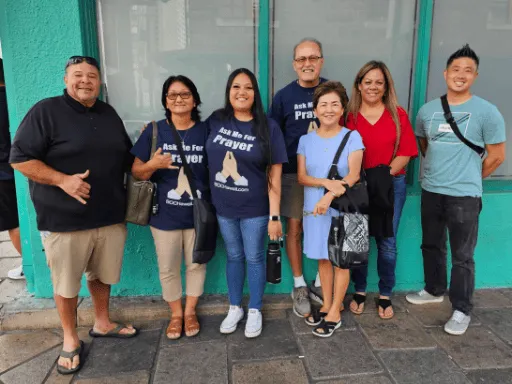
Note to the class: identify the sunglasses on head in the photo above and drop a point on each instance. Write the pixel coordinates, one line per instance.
(80, 59)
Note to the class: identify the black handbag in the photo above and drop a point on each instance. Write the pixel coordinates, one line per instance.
(205, 218)
(453, 125)
(349, 238)
(359, 190)
(274, 261)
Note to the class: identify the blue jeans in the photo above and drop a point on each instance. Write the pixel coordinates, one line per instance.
(386, 248)
(245, 241)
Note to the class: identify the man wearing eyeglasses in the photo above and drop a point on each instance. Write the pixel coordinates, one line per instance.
(292, 108)
(74, 150)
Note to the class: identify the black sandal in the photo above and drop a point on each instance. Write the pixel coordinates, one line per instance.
(359, 299)
(71, 355)
(385, 303)
(328, 328)
(315, 318)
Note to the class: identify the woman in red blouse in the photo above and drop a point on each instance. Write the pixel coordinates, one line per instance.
(389, 140)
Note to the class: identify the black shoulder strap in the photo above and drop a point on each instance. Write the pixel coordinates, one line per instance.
(334, 165)
(449, 118)
(186, 166)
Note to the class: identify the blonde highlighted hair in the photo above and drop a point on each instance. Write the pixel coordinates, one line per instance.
(389, 98)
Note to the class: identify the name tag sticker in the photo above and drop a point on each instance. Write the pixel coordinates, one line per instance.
(445, 128)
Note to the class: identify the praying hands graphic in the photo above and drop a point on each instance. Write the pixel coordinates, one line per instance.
(230, 168)
(182, 187)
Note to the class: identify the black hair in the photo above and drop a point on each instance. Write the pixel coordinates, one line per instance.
(2, 78)
(260, 127)
(195, 114)
(465, 51)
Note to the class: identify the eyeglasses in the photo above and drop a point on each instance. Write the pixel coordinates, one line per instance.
(303, 59)
(183, 95)
(80, 59)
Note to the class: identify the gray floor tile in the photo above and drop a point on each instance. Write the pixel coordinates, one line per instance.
(402, 331)
(344, 353)
(363, 379)
(276, 341)
(478, 348)
(422, 367)
(499, 320)
(270, 372)
(199, 363)
(430, 315)
(33, 371)
(110, 356)
(507, 292)
(490, 298)
(209, 331)
(301, 328)
(490, 376)
(140, 377)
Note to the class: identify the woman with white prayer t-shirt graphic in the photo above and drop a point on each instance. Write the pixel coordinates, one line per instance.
(173, 226)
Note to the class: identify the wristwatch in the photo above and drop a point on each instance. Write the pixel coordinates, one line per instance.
(274, 218)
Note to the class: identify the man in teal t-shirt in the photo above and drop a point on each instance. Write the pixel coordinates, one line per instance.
(452, 185)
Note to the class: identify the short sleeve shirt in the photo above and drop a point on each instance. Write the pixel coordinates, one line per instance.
(173, 188)
(292, 109)
(380, 138)
(319, 153)
(238, 177)
(70, 138)
(451, 167)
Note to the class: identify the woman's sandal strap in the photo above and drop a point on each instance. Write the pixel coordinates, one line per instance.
(359, 299)
(384, 303)
(316, 315)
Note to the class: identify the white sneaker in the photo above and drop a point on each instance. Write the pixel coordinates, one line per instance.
(254, 324)
(458, 323)
(16, 273)
(423, 297)
(230, 323)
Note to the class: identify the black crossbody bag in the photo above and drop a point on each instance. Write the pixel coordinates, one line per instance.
(453, 124)
(205, 218)
(359, 193)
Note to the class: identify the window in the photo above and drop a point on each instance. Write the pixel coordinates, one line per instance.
(482, 24)
(142, 42)
(352, 33)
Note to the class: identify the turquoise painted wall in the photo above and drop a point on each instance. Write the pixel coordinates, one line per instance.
(38, 36)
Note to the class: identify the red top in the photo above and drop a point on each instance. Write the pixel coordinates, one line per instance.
(379, 139)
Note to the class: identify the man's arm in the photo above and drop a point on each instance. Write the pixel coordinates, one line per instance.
(73, 185)
(495, 157)
(423, 142)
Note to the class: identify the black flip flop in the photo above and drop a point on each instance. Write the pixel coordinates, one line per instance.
(71, 355)
(115, 333)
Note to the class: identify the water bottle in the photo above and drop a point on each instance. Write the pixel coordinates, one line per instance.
(274, 262)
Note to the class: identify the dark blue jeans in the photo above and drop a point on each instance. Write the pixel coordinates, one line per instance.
(457, 217)
(245, 241)
(386, 247)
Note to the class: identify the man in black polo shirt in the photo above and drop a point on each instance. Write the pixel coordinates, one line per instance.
(74, 150)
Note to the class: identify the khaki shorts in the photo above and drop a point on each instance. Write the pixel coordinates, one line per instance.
(292, 196)
(98, 252)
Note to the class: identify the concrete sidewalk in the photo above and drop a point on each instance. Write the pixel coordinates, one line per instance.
(9, 259)
(411, 348)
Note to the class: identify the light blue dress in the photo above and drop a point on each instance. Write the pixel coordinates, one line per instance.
(319, 153)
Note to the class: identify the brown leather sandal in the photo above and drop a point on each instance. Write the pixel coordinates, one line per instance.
(174, 328)
(192, 326)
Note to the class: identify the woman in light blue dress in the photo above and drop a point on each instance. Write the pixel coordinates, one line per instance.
(315, 154)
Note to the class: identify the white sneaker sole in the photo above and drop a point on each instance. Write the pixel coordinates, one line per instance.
(455, 333)
(16, 277)
(227, 331)
(251, 335)
(429, 301)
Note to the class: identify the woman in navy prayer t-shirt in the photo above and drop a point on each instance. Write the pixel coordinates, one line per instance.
(245, 155)
(173, 226)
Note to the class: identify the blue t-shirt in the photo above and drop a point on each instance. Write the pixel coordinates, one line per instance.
(173, 189)
(292, 109)
(319, 153)
(451, 167)
(237, 166)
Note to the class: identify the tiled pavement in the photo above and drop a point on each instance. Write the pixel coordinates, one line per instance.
(411, 348)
